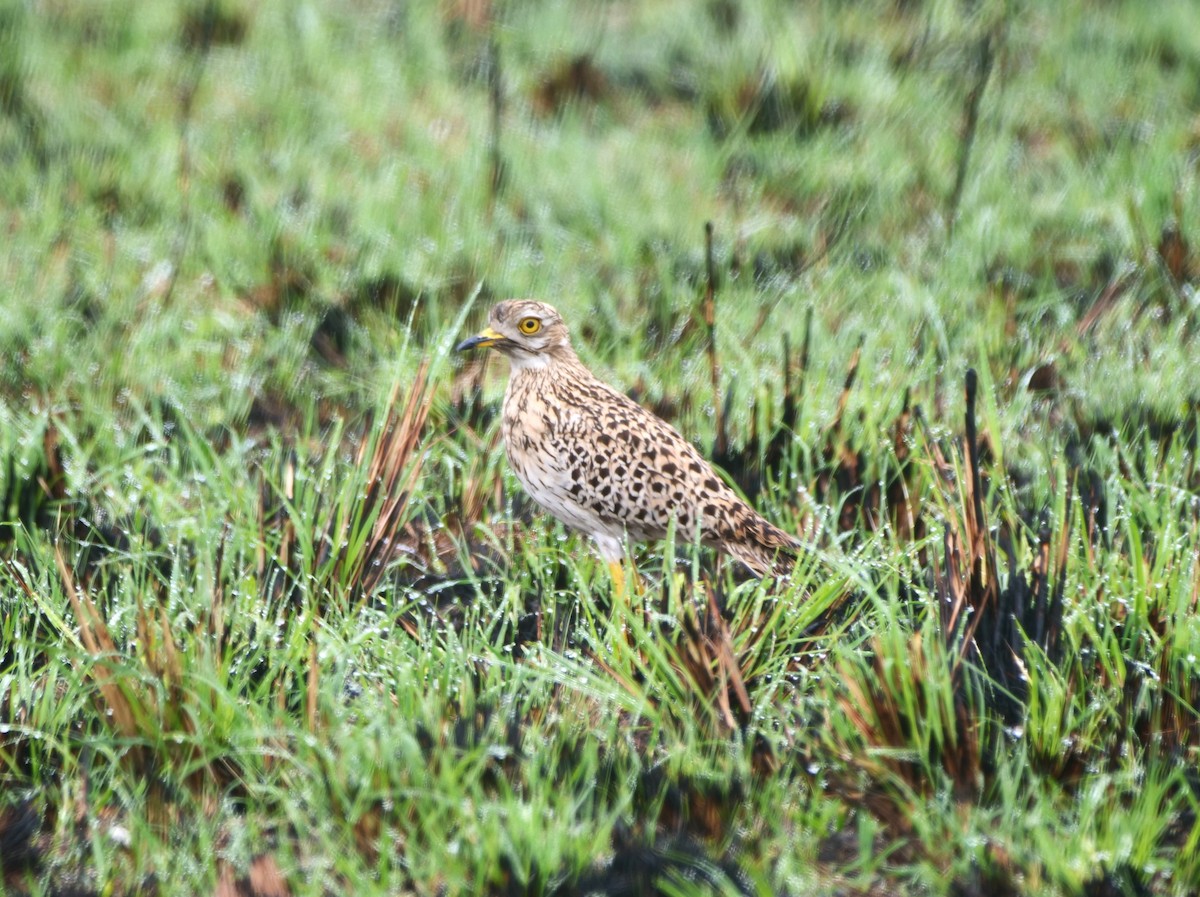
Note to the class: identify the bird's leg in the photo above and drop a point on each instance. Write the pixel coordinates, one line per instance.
(622, 586)
(631, 590)
(611, 550)
(625, 589)
(617, 569)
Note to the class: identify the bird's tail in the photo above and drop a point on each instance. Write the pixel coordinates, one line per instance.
(765, 548)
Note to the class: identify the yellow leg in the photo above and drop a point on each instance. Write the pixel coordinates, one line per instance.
(622, 585)
(624, 592)
(617, 569)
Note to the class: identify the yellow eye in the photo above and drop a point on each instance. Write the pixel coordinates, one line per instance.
(529, 326)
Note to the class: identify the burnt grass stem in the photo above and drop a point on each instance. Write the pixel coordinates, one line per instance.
(721, 440)
(496, 121)
(985, 58)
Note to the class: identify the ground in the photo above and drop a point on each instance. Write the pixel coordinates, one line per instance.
(277, 619)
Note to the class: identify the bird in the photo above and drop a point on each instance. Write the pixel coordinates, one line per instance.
(604, 465)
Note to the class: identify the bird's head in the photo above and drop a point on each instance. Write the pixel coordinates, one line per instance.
(530, 333)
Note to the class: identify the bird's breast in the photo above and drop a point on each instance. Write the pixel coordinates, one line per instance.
(550, 443)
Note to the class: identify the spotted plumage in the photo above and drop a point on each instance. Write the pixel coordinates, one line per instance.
(603, 464)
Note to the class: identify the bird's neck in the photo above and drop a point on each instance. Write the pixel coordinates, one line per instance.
(558, 359)
(524, 362)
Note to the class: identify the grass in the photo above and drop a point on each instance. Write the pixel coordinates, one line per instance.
(278, 620)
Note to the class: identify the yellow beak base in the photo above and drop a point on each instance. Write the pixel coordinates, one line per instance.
(486, 338)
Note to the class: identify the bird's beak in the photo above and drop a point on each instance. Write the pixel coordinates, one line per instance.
(488, 337)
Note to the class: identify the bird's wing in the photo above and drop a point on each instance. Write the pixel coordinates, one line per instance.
(639, 472)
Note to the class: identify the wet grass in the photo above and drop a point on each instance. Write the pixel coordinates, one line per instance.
(278, 620)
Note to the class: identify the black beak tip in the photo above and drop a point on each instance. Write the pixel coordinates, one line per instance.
(467, 344)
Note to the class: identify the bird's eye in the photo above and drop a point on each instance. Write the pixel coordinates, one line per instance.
(529, 326)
